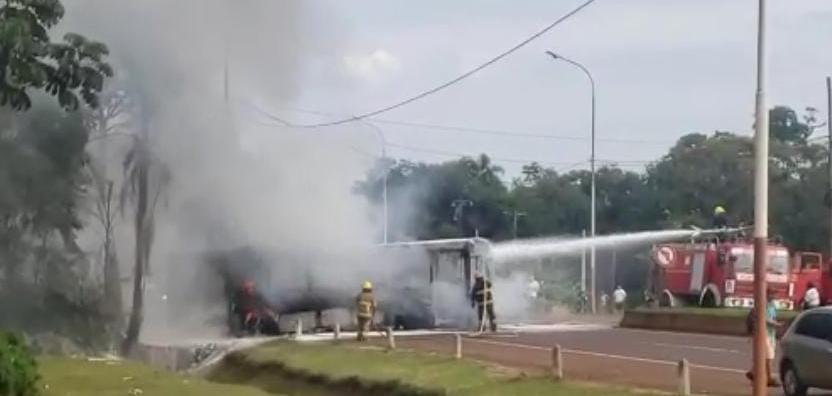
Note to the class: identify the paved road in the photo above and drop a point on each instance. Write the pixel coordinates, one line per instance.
(637, 358)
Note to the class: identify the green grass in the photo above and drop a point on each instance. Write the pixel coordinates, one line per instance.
(720, 312)
(426, 371)
(77, 377)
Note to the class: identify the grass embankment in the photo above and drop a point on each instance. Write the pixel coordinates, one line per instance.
(79, 377)
(720, 312)
(367, 370)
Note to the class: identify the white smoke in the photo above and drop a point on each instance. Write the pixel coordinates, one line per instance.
(234, 182)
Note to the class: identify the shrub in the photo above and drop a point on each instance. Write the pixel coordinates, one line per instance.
(18, 369)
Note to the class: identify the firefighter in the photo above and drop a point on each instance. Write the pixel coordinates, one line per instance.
(253, 312)
(720, 219)
(483, 299)
(365, 304)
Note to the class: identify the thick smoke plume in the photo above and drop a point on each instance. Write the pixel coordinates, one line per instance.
(234, 183)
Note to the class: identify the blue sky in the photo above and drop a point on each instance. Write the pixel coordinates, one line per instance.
(663, 68)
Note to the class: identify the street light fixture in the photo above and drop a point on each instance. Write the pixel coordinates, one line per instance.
(592, 171)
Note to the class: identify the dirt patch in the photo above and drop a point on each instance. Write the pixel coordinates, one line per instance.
(276, 377)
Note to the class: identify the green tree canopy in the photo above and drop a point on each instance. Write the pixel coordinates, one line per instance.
(29, 60)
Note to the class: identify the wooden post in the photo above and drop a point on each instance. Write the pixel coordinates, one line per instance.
(458, 345)
(299, 328)
(684, 377)
(337, 332)
(557, 363)
(391, 340)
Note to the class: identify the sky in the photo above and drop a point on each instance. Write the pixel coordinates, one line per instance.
(663, 68)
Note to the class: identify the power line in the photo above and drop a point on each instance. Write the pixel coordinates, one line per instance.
(484, 131)
(455, 154)
(449, 83)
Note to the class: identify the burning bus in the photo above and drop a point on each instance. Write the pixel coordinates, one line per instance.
(420, 284)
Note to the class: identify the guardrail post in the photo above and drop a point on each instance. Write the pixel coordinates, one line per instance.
(337, 332)
(458, 338)
(391, 340)
(684, 377)
(557, 363)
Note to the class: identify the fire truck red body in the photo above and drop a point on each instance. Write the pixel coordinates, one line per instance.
(721, 274)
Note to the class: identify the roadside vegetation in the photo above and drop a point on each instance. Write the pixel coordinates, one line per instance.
(375, 371)
(65, 377)
(720, 312)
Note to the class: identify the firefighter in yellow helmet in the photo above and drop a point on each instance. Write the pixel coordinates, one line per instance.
(365, 309)
(720, 219)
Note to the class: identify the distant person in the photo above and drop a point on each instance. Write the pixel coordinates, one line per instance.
(812, 297)
(533, 290)
(619, 297)
(605, 302)
(583, 301)
(771, 337)
(365, 304)
(482, 298)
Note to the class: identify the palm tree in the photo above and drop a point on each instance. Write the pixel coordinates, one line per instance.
(145, 178)
(485, 170)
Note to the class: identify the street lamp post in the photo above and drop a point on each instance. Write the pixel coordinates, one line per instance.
(592, 174)
(380, 135)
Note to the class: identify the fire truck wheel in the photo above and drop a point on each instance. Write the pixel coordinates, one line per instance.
(666, 299)
(709, 299)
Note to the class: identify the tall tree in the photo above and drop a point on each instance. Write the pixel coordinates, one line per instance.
(145, 179)
(108, 121)
(29, 60)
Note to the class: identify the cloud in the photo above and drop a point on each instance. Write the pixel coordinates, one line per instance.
(373, 65)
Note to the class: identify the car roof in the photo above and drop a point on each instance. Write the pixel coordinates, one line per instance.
(826, 310)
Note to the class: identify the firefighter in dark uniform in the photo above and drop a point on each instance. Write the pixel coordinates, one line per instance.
(483, 298)
(365, 304)
(254, 313)
(720, 222)
(720, 219)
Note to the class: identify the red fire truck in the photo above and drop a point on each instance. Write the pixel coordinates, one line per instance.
(716, 273)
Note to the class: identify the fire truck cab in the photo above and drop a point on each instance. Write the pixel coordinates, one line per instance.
(720, 274)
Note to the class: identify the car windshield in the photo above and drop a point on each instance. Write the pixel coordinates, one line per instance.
(778, 262)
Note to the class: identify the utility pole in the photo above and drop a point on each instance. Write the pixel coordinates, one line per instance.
(759, 386)
(380, 135)
(515, 215)
(829, 162)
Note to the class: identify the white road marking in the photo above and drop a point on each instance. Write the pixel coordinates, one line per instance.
(676, 333)
(608, 356)
(556, 327)
(696, 347)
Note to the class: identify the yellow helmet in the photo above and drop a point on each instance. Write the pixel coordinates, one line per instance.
(367, 285)
(719, 210)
